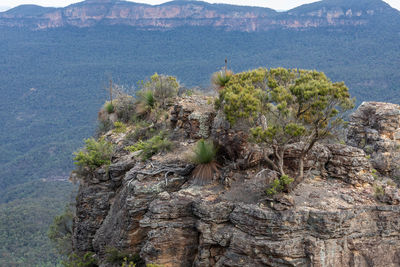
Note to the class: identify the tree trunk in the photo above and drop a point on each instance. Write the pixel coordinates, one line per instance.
(300, 177)
(281, 162)
(301, 169)
(270, 162)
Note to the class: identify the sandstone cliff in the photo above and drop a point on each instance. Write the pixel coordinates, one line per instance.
(196, 13)
(336, 217)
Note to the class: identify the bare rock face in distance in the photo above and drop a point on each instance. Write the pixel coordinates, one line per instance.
(333, 218)
(177, 14)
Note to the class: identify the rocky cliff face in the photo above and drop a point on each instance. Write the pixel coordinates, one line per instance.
(335, 217)
(194, 13)
(375, 128)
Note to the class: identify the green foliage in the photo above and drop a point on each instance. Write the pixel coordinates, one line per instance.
(87, 260)
(220, 78)
(94, 155)
(119, 127)
(379, 191)
(26, 213)
(164, 88)
(278, 185)
(125, 105)
(153, 265)
(146, 101)
(374, 174)
(242, 97)
(204, 156)
(128, 264)
(204, 152)
(189, 92)
(142, 131)
(152, 146)
(60, 232)
(109, 107)
(115, 256)
(298, 105)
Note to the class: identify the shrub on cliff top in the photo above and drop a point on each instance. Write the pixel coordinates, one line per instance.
(152, 146)
(204, 156)
(119, 127)
(300, 106)
(109, 107)
(278, 185)
(164, 88)
(146, 102)
(95, 154)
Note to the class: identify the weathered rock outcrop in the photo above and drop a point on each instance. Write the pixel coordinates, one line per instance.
(333, 218)
(375, 128)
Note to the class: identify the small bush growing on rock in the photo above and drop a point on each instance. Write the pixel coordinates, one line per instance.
(119, 127)
(142, 134)
(278, 185)
(87, 260)
(188, 92)
(109, 107)
(115, 256)
(164, 88)
(142, 131)
(204, 156)
(152, 146)
(127, 263)
(125, 106)
(94, 155)
(146, 102)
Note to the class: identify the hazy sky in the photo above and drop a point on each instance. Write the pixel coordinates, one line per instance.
(275, 4)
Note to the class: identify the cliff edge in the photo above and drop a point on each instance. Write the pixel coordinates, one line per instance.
(345, 213)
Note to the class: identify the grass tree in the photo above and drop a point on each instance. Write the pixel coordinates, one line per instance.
(220, 78)
(300, 106)
(204, 154)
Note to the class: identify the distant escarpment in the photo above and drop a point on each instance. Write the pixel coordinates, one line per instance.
(345, 213)
(196, 13)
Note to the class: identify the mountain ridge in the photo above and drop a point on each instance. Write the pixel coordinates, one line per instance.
(175, 14)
